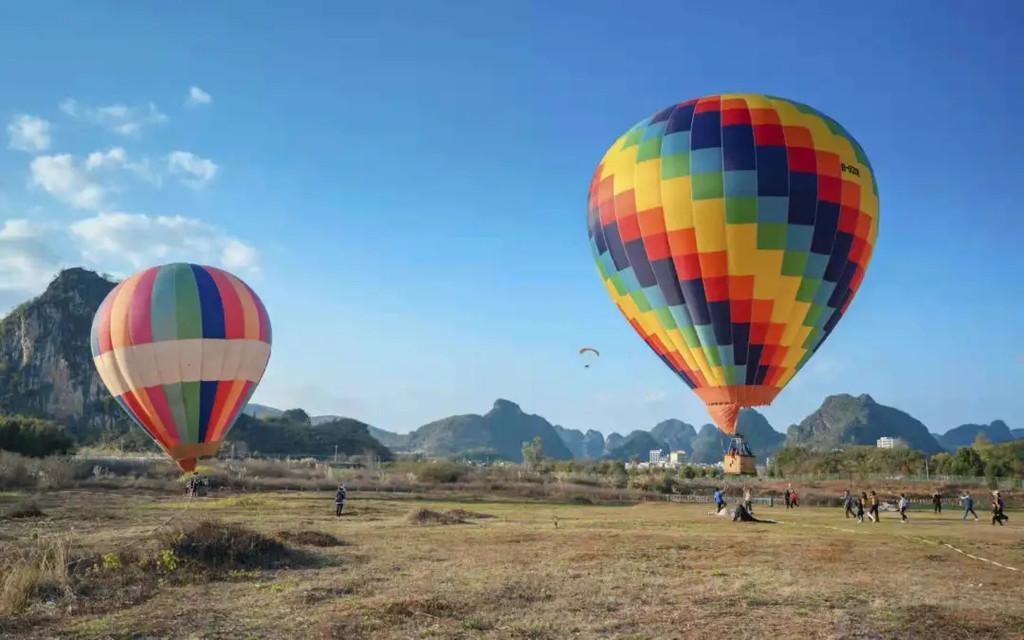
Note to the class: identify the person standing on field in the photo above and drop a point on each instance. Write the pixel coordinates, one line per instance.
(937, 502)
(859, 502)
(903, 504)
(968, 501)
(848, 503)
(339, 500)
(873, 510)
(747, 503)
(788, 497)
(997, 509)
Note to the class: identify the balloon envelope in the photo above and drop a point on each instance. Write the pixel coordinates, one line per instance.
(182, 347)
(733, 231)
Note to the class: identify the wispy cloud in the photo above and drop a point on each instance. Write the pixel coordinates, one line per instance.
(28, 133)
(27, 261)
(117, 158)
(191, 169)
(119, 118)
(197, 97)
(136, 240)
(58, 176)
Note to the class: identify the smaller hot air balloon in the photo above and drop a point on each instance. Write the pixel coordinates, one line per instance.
(589, 354)
(181, 347)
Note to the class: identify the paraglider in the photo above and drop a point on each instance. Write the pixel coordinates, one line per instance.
(181, 347)
(594, 353)
(733, 231)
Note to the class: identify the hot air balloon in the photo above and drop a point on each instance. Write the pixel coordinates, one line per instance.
(733, 231)
(589, 353)
(182, 347)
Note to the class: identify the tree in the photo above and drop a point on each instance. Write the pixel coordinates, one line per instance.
(533, 452)
(296, 415)
(33, 437)
(967, 462)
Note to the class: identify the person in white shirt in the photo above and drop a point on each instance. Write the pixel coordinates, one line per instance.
(903, 504)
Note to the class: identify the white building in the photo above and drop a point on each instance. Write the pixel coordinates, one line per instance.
(654, 457)
(677, 458)
(885, 442)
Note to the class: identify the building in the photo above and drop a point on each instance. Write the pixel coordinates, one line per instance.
(654, 457)
(885, 442)
(677, 458)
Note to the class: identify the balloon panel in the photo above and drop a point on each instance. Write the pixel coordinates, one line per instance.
(182, 347)
(733, 231)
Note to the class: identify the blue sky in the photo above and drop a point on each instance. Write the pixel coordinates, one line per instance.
(404, 184)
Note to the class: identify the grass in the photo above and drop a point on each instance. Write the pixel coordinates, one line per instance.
(651, 570)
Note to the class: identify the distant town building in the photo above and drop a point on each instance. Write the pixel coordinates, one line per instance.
(677, 458)
(654, 457)
(885, 442)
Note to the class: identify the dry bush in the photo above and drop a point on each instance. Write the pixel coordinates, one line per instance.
(39, 571)
(215, 545)
(426, 516)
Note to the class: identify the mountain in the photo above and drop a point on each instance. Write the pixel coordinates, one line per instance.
(965, 434)
(584, 446)
(391, 440)
(499, 433)
(674, 434)
(46, 368)
(1017, 433)
(261, 411)
(709, 445)
(293, 433)
(612, 442)
(858, 420)
(636, 446)
(764, 441)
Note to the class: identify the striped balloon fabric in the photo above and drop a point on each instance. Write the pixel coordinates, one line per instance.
(733, 231)
(182, 347)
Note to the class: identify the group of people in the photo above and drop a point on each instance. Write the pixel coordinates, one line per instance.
(196, 486)
(791, 497)
(854, 506)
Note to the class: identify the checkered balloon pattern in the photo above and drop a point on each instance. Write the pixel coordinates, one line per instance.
(733, 231)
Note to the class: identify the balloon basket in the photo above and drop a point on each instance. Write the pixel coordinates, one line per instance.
(739, 460)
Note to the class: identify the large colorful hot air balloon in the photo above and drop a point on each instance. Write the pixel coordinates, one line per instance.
(733, 231)
(182, 347)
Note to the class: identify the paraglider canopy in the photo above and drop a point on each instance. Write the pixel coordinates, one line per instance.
(589, 350)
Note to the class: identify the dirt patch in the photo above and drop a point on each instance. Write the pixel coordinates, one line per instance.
(427, 516)
(464, 514)
(25, 510)
(311, 538)
(214, 545)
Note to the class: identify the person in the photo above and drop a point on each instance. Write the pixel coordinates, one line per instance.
(192, 486)
(997, 509)
(747, 502)
(794, 499)
(860, 507)
(719, 500)
(742, 514)
(968, 501)
(339, 500)
(873, 509)
(937, 502)
(903, 504)
(788, 497)
(848, 503)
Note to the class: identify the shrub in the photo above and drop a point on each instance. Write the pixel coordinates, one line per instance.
(214, 545)
(441, 472)
(33, 437)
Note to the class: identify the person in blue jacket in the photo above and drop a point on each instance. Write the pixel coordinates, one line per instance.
(719, 500)
(968, 500)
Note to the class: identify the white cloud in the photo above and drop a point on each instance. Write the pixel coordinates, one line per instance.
(119, 118)
(27, 262)
(193, 170)
(654, 397)
(113, 157)
(59, 177)
(142, 240)
(28, 133)
(116, 158)
(197, 97)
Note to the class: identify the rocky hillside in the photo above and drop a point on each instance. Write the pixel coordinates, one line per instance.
(499, 433)
(46, 365)
(292, 432)
(858, 420)
(965, 434)
(636, 446)
(583, 446)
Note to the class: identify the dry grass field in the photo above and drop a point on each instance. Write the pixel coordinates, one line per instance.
(388, 570)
